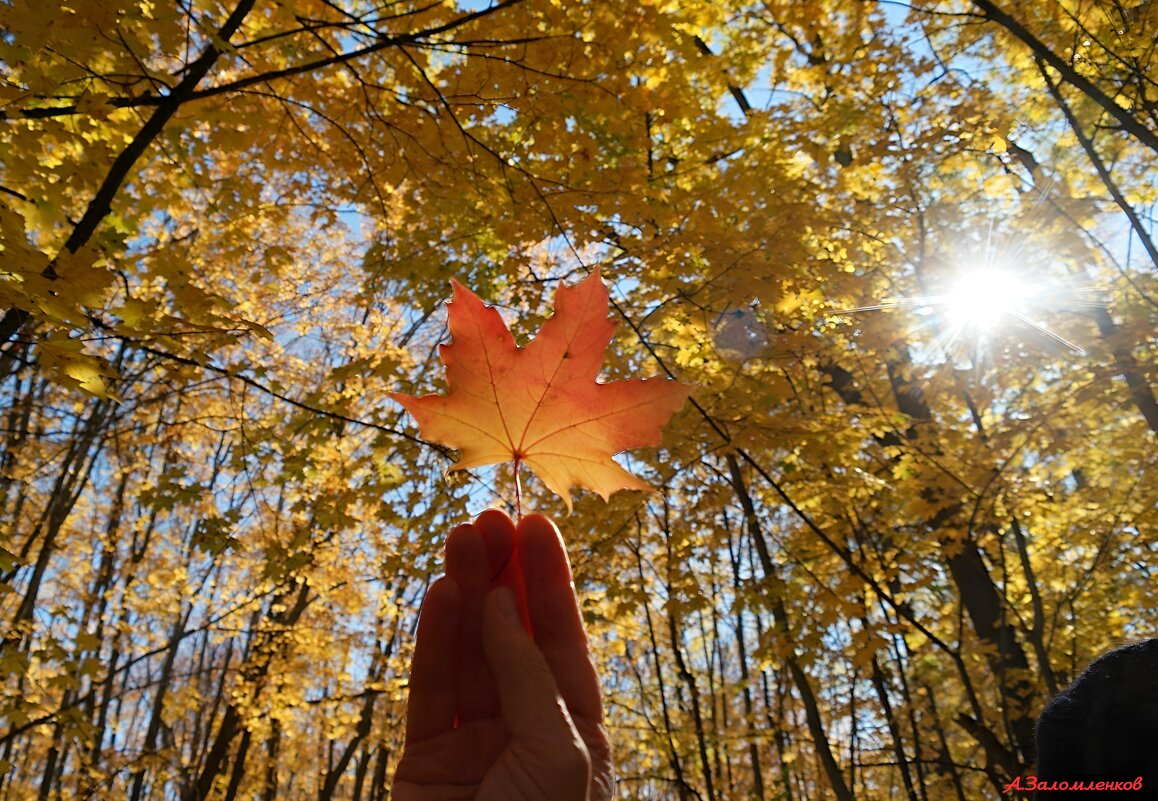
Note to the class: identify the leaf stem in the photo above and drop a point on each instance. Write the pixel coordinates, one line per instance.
(518, 492)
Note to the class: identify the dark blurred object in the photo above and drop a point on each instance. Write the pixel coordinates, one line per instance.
(1104, 726)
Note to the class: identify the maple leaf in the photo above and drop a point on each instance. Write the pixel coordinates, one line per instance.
(541, 405)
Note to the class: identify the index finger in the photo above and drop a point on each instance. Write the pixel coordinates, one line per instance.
(555, 618)
(431, 703)
(500, 538)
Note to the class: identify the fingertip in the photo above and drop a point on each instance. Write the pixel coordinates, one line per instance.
(441, 594)
(465, 552)
(498, 534)
(495, 516)
(541, 550)
(541, 524)
(458, 536)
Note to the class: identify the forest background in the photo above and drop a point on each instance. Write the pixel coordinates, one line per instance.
(882, 538)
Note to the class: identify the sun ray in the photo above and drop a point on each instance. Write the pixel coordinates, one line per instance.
(987, 302)
(1051, 334)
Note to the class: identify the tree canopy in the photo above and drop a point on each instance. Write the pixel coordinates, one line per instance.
(904, 253)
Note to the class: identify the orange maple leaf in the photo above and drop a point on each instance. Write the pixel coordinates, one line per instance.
(540, 405)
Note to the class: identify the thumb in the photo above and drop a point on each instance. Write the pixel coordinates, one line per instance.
(540, 725)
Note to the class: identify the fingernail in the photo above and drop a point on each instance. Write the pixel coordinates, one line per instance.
(505, 601)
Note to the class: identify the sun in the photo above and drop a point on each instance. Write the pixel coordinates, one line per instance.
(982, 299)
(987, 303)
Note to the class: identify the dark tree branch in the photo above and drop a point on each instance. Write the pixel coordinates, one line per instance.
(384, 43)
(1099, 165)
(101, 204)
(167, 106)
(1068, 74)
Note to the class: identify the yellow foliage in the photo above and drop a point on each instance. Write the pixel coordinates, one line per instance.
(218, 529)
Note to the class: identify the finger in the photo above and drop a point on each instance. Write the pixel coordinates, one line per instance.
(467, 564)
(498, 534)
(555, 617)
(466, 560)
(431, 706)
(541, 728)
(499, 537)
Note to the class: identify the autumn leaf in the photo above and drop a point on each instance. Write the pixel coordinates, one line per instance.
(541, 405)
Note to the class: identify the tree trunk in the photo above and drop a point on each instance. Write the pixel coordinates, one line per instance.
(780, 619)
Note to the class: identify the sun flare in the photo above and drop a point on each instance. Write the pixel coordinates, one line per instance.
(982, 299)
(986, 304)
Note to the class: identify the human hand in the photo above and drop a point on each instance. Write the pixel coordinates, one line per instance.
(494, 714)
